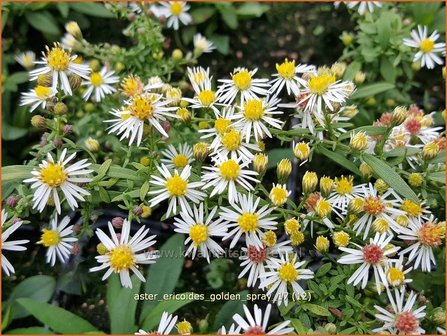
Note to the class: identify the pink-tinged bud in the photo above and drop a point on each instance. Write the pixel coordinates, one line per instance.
(166, 126)
(137, 211)
(67, 129)
(117, 222)
(12, 201)
(76, 249)
(162, 19)
(76, 228)
(16, 220)
(44, 139)
(58, 143)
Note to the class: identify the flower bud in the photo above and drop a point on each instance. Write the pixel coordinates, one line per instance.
(322, 244)
(366, 170)
(331, 328)
(185, 115)
(177, 54)
(301, 151)
(60, 109)
(380, 225)
(137, 211)
(359, 77)
(399, 115)
(261, 145)
(309, 183)
(359, 141)
(44, 80)
(323, 208)
(67, 129)
(326, 186)
(75, 81)
(12, 201)
(381, 186)
(338, 69)
(416, 66)
(38, 121)
(349, 111)
(291, 226)
(415, 179)
(73, 28)
(341, 239)
(117, 222)
(147, 211)
(430, 150)
(184, 327)
(101, 249)
(347, 38)
(269, 238)
(297, 238)
(439, 317)
(92, 144)
(201, 151)
(145, 161)
(356, 205)
(283, 170)
(58, 142)
(278, 194)
(119, 66)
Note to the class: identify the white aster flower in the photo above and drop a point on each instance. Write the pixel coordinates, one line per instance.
(425, 235)
(123, 255)
(372, 255)
(287, 76)
(58, 239)
(246, 219)
(177, 188)
(231, 146)
(228, 174)
(395, 273)
(37, 97)
(14, 245)
(99, 84)
(428, 48)
(364, 6)
(202, 44)
(178, 159)
(205, 96)
(234, 330)
(243, 83)
(52, 177)
(201, 231)
(404, 318)
(59, 63)
(222, 124)
(257, 324)
(323, 87)
(257, 114)
(383, 207)
(254, 259)
(26, 59)
(141, 108)
(165, 327)
(284, 271)
(344, 192)
(176, 12)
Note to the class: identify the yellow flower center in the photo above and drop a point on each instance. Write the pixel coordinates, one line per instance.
(42, 92)
(253, 109)
(96, 79)
(142, 108)
(221, 125)
(58, 59)
(288, 272)
(344, 185)
(380, 225)
(229, 170)
(207, 97)
(176, 8)
(231, 140)
(426, 45)
(53, 175)
(121, 258)
(286, 69)
(269, 238)
(411, 208)
(50, 238)
(319, 84)
(242, 80)
(431, 234)
(132, 85)
(341, 239)
(184, 327)
(323, 208)
(291, 226)
(395, 276)
(278, 195)
(198, 234)
(176, 186)
(180, 161)
(248, 222)
(373, 205)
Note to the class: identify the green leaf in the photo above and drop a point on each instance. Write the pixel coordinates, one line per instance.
(104, 195)
(58, 319)
(10, 173)
(389, 175)
(402, 151)
(144, 190)
(252, 9)
(323, 270)
(39, 288)
(221, 42)
(10, 132)
(30, 331)
(170, 306)
(340, 159)
(229, 17)
(63, 8)
(353, 301)
(369, 130)
(372, 89)
(351, 70)
(102, 170)
(299, 328)
(383, 25)
(18, 77)
(122, 305)
(225, 315)
(162, 276)
(277, 154)
(316, 309)
(92, 9)
(387, 70)
(43, 21)
(437, 177)
(202, 14)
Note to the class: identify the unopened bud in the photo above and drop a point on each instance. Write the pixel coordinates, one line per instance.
(201, 151)
(359, 141)
(283, 170)
(101, 249)
(301, 151)
(75, 81)
(415, 179)
(117, 222)
(326, 186)
(92, 144)
(430, 150)
(44, 80)
(58, 142)
(38, 121)
(359, 77)
(381, 186)
(185, 115)
(73, 28)
(12, 201)
(366, 170)
(177, 54)
(399, 115)
(322, 244)
(60, 109)
(310, 181)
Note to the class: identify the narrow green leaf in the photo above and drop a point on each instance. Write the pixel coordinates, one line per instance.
(369, 130)
(43, 21)
(402, 151)
(92, 9)
(10, 173)
(299, 328)
(58, 319)
(437, 177)
(104, 195)
(372, 90)
(29, 331)
(144, 190)
(323, 270)
(389, 175)
(225, 315)
(340, 159)
(316, 309)
(202, 14)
